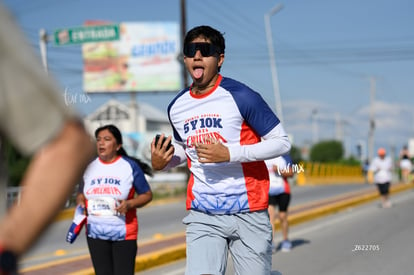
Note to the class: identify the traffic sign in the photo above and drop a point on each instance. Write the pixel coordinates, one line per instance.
(87, 34)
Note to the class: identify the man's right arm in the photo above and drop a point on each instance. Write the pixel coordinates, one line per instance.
(162, 159)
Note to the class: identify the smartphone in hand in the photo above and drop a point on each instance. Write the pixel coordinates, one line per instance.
(157, 139)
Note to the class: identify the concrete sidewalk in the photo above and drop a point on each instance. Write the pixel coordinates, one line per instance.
(170, 248)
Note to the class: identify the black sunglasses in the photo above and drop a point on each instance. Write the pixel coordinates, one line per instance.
(206, 49)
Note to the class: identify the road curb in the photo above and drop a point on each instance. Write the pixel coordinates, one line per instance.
(341, 205)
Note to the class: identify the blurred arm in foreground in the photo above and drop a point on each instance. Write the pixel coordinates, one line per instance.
(34, 118)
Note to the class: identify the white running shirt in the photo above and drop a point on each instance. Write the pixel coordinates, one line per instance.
(382, 169)
(104, 185)
(238, 117)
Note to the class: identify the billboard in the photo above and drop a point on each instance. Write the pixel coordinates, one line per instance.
(144, 59)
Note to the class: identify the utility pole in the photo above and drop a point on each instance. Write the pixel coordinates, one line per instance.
(338, 127)
(371, 119)
(43, 39)
(315, 129)
(275, 80)
(183, 32)
(361, 144)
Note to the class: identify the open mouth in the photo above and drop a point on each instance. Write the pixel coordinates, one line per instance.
(198, 72)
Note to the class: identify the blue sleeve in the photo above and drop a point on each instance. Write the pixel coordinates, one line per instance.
(81, 186)
(288, 159)
(255, 111)
(139, 181)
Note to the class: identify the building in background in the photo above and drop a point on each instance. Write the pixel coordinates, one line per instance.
(138, 124)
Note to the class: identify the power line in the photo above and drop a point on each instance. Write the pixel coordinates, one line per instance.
(30, 7)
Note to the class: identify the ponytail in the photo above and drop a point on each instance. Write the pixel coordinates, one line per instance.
(145, 167)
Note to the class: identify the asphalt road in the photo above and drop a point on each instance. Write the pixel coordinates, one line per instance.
(362, 240)
(155, 220)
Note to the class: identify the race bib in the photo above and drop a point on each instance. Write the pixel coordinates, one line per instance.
(103, 206)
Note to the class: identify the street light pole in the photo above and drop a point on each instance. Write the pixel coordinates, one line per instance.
(275, 80)
(43, 39)
(371, 120)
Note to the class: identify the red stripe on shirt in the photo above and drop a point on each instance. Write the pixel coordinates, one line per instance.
(287, 186)
(131, 221)
(255, 173)
(190, 196)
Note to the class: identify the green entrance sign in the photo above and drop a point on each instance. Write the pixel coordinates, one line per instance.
(87, 34)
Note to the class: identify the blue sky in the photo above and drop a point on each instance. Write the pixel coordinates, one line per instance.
(326, 53)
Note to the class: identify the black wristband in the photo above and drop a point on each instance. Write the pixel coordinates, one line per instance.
(8, 262)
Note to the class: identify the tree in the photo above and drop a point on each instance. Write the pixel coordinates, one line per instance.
(327, 151)
(295, 154)
(16, 163)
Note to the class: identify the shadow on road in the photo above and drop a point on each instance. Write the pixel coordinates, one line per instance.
(295, 243)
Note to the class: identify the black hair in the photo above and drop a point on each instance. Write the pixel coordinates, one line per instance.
(216, 38)
(118, 137)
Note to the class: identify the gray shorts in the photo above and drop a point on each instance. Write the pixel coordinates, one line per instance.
(247, 236)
